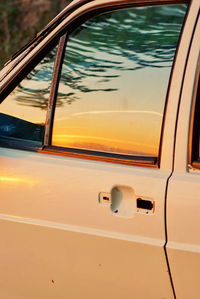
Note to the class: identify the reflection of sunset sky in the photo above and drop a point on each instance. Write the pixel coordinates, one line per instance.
(127, 120)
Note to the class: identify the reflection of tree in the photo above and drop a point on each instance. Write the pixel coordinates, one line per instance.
(27, 92)
(129, 40)
(33, 99)
(104, 47)
(38, 97)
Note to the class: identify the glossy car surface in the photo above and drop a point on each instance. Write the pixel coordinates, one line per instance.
(99, 149)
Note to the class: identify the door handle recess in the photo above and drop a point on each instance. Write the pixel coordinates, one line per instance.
(124, 202)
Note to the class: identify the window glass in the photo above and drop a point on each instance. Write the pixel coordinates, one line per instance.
(198, 113)
(196, 128)
(114, 80)
(23, 112)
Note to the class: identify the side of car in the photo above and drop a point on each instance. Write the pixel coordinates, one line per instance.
(92, 154)
(183, 206)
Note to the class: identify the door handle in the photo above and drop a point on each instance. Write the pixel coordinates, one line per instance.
(123, 202)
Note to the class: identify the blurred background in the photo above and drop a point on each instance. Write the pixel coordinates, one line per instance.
(21, 19)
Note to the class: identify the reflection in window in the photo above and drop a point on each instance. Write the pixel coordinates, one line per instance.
(197, 123)
(114, 80)
(23, 112)
(196, 127)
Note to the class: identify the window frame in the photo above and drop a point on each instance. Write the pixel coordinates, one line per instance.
(60, 37)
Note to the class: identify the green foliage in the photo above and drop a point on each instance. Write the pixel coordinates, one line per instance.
(21, 19)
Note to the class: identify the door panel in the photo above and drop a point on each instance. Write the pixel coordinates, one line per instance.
(65, 190)
(60, 263)
(55, 229)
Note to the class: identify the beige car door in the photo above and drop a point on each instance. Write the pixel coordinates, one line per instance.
(183, 205)
(82, 211)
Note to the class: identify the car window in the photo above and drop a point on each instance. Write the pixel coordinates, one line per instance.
(23, 112)
(195, 159)
(114, 81)
(198, 130)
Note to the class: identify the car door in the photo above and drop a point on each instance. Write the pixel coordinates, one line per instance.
(87, 141)
(183, 208)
